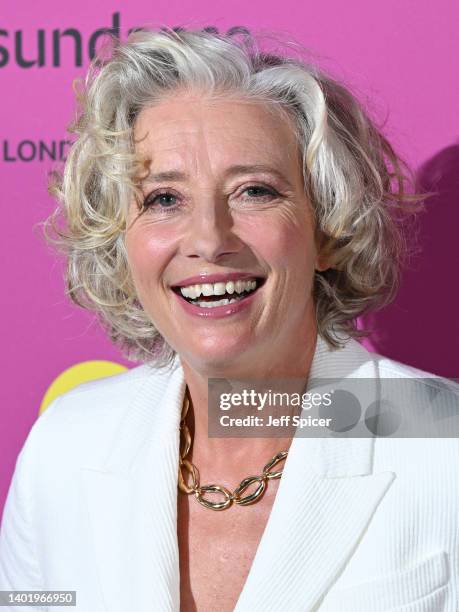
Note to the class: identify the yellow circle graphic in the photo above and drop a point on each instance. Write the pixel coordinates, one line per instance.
(77, 374)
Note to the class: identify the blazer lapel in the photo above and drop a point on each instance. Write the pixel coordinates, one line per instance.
(132, 502)
(315, 525)
(326, 498)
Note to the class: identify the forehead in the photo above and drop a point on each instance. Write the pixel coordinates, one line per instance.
(192, 128)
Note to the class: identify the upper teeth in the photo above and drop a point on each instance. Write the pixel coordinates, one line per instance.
(194, 291)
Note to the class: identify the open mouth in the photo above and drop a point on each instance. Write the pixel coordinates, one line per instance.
(212, 295)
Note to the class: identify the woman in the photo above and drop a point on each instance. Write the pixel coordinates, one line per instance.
(229, 213)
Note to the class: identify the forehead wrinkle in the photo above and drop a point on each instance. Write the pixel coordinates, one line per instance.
(205, 134)
(191, 154)
(205, 143)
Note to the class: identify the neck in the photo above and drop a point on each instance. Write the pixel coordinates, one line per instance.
(228, 460)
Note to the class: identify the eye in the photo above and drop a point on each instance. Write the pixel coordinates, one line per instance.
(163, 201)
(260, 192)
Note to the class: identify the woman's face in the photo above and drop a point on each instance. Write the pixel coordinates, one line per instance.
(225, 206)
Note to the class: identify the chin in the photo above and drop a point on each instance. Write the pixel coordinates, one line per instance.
(217, 353)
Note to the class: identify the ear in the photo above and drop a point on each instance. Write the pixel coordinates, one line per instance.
(322, 261)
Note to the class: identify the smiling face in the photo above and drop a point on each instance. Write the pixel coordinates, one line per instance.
(225, 207)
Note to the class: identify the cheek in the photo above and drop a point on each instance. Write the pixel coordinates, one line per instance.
(146, 256)
(286, 242)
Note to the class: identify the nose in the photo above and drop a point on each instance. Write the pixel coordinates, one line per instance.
(210, 232)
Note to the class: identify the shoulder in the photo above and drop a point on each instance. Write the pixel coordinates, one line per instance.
(357, 362)
(427, 407)
(100, 398)
(79, 426)
(437, 391)
(391, 367)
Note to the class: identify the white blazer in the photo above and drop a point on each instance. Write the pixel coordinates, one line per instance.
(358, 525)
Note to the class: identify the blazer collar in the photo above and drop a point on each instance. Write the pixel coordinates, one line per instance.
(326, 497)
(153, 415)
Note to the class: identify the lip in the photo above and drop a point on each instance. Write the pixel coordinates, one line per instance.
(217, 312)
(214, 278)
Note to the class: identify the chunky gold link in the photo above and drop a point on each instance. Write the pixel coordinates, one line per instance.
(188, 474)
(186, 404)
(185, 440)
(194, 474)
(207, 503)
(274, 461)
(252, 497)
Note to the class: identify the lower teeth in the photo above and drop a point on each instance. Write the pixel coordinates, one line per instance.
(223, 302)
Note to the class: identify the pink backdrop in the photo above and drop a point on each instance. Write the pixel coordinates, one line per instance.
(402, 54)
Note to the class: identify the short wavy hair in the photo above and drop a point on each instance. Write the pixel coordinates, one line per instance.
(358, 186)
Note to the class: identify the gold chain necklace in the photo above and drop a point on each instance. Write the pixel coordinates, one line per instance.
(188, 471)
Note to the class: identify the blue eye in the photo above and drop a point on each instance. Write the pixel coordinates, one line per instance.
(161, 200)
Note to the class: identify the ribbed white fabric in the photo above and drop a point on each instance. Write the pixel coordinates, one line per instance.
(358, 524)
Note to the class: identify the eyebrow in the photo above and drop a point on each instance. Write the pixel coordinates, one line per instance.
(232, 171)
